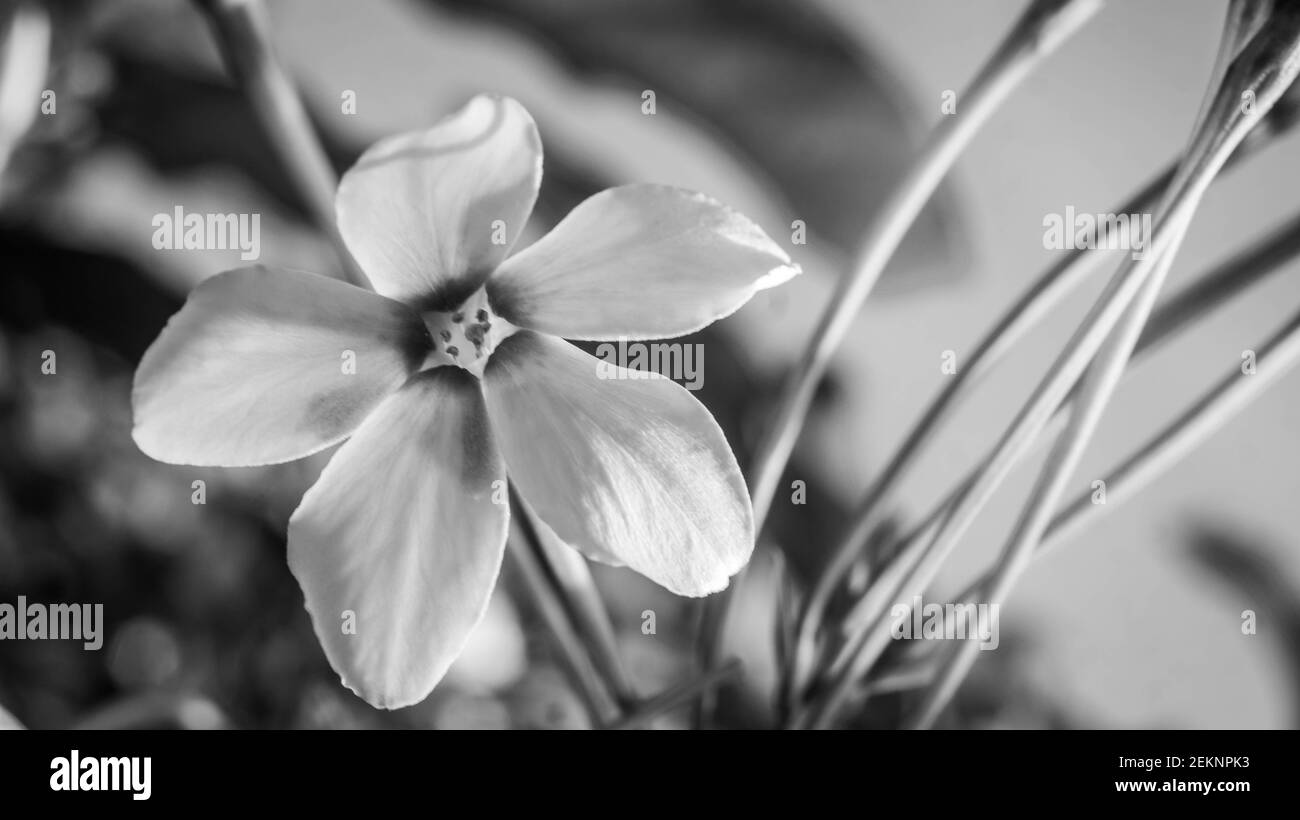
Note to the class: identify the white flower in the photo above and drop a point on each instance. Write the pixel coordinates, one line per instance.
(459, 377)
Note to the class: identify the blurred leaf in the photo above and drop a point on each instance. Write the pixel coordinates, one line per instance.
(105, 298)
(156, 710)
(817, 113)
(181, 122)
(1235, 561)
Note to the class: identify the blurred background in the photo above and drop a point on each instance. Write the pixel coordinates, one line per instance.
(786, 111)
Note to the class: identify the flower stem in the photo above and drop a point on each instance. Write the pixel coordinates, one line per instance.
(539, 577)
(1276, 357)
(1262, 75)
(1048, 291)
(1273, 360)
(1226, 280)
(1036, 303)
(241, 31)
(1037, 33)
(677, 697)
(571, 579)
(1266, 69)
(1043, 26)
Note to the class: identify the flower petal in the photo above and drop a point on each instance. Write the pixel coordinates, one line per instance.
(420, 211)
(265, 365)
(641, 262)
(401, 537)
(623, 465)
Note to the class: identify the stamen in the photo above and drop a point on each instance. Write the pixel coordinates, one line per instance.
(466, 330)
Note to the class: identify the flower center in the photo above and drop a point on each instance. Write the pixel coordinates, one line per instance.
(465, 336)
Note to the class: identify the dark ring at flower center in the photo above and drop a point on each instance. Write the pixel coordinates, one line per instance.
(463, 336)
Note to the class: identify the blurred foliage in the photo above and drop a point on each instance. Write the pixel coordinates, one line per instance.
(817, 113)
(1246, 568)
